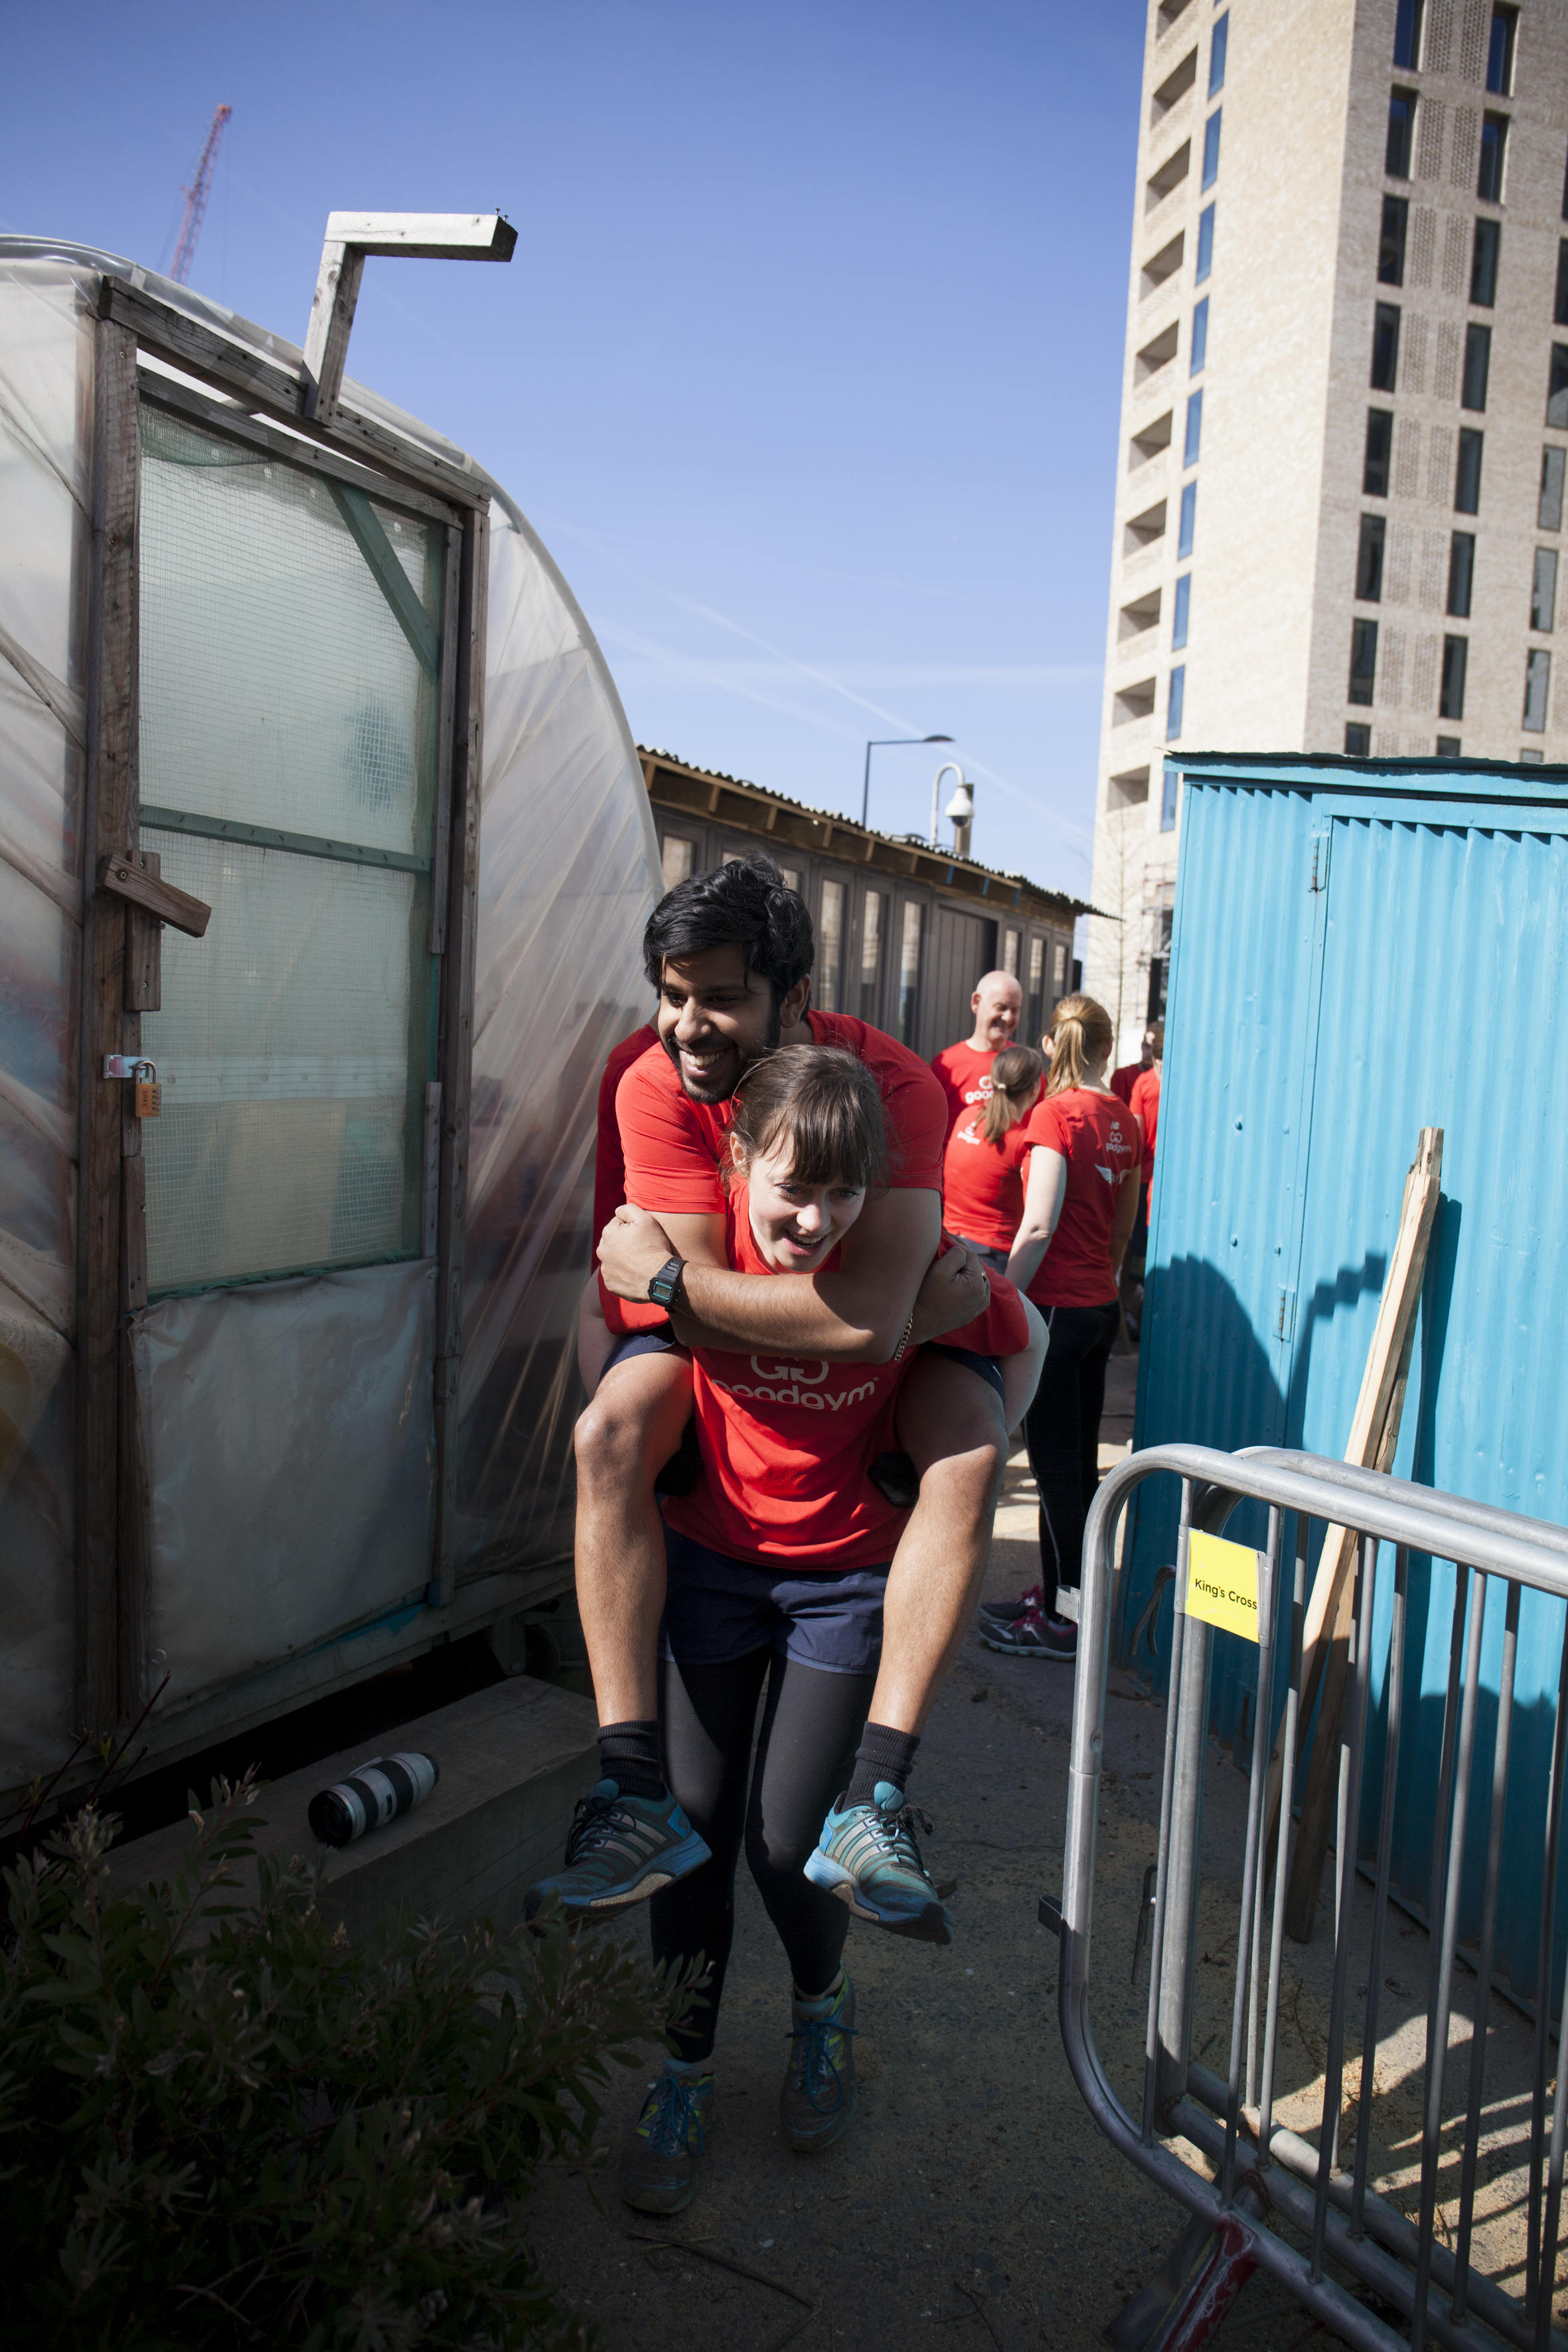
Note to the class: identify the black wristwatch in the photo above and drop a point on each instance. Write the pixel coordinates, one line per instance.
(664, 1288)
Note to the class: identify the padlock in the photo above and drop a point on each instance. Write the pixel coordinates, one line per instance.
(149, 1093)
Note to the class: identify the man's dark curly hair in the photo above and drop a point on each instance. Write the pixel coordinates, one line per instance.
(743, 904)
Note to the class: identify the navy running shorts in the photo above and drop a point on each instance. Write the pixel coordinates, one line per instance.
(718, 1610)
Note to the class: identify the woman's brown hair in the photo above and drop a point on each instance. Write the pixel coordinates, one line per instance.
(1015, 1074)
(1081, 1031)
(828, 1105)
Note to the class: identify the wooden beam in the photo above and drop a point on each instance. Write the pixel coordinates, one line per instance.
(111, 820)
(315, 457)
(349, 238)
(456, 1074)
(125, 874)
(145, 958)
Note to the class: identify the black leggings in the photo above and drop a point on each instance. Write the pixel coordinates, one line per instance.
(1062, 1429)
(811, 1729)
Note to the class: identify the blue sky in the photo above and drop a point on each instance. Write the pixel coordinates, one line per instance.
(807, 366)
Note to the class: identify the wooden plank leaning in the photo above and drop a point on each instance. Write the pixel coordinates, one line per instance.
(1374, 1432)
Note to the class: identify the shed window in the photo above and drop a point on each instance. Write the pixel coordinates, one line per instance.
(1537, 680)
(1549, 508)
(828, 983)
(1456, 657)
(289, 687)
(1369, 559)
(790, 876)
(910, 941)
(675, 859)
(1385, 346)
(1034, 998)
(1363, 661)
(872, 925)
(1010, 942)
(1543, 590)
(1060, 967)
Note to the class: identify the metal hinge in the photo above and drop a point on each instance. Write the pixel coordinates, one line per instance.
(1321, 861)
(1285, 1316)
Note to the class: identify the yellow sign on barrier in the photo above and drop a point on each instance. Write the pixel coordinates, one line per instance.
(1222, 1584)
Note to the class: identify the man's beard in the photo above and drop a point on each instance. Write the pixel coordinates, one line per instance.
(708, 1097)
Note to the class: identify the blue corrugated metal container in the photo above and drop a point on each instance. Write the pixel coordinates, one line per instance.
(1361, 951)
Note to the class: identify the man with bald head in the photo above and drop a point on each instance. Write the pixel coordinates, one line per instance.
(964, 1069)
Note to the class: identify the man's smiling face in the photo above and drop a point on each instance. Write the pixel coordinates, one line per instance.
(714, 1019)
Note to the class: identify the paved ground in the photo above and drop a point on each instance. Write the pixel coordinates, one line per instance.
(973, 2191)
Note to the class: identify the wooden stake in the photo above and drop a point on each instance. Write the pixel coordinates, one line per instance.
(1374, 1435)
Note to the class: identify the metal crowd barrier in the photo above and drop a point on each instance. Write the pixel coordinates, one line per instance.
(1267, 2174)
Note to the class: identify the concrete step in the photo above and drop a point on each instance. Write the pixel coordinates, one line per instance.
(515, 1760)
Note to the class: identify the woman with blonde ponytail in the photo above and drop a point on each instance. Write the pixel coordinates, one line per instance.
(982, 1190)
(1083, 1147)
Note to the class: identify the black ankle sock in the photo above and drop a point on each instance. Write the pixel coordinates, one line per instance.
(628, 1755)
(884, 1755)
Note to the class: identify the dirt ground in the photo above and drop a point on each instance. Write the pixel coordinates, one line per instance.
(974, 2190)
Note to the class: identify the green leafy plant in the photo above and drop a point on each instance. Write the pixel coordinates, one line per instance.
(224, 2123)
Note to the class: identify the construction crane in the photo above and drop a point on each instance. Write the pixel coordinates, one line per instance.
(196, 197)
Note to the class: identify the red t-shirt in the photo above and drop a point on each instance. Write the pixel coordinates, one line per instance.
(673, 1146)
(982, 1185)
(609, 1159)
(1098, 1139)
(1122, 1081)
(963, 1073)
(1146, 1103)
(787, 1440)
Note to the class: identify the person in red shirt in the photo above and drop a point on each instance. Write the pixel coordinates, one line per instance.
(1145, 1104)
(778, 1567)
(1122, 1081)
(983, 1191)
(730, 952)
(964, 1071)
(1079, 1197)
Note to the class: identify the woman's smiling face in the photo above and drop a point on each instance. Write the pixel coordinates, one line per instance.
(796, 1226)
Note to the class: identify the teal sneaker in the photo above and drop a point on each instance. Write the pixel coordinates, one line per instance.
(868, 1857)
(621, 1851)
(661, 2162)
(817, 2104)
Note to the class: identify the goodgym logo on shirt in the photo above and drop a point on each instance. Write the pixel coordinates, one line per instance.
(784, 1382)
(1118, 1148)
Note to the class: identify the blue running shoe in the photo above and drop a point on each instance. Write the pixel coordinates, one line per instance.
(817, 2104)
(661, 2162)
(621, 1851)
(868, 1857)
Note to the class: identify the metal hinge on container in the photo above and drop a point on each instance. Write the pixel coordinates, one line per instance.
(1285, 1316)
(1321, 861)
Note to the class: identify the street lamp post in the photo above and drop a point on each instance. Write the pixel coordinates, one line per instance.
(881, 742)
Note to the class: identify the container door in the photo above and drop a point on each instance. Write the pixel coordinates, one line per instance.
(290, 635)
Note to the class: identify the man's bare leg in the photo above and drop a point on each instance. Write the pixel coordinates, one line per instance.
(623, 1439)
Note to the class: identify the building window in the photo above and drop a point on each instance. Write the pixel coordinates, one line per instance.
(1537, 678)
(870, 956)
(1407, 35)
(1532, 759)
(1175, 699)
(1483, 263)
(1369, 559)
(1565, 190)
(1200, 336)
(1494, 143)
(1034, 1002)
(1379, 448)
(1010, 953)
(1468, 473)
(1206, 244)
(1059, 968)
(910, 970)
(1478, 365)
(791, 875)
(1390, 245)
(1557, 387)
(1401, 126)
(1447, 746)
(1451, 699)
(1211, 149)
(1499, 52)
(1194, 428)
(1180, 611)
(1358, 739)
(829, 982)
(1461, 573)
(1548, 511)
(1188, 518)
(1363, 661)
(1560, 307)
(1385, 346)
(1217, 47)
(1168, 799)
(675, 857)
(1543, 590)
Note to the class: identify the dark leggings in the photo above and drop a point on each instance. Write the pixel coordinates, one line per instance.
(811, 1729)
(1062, 1429)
